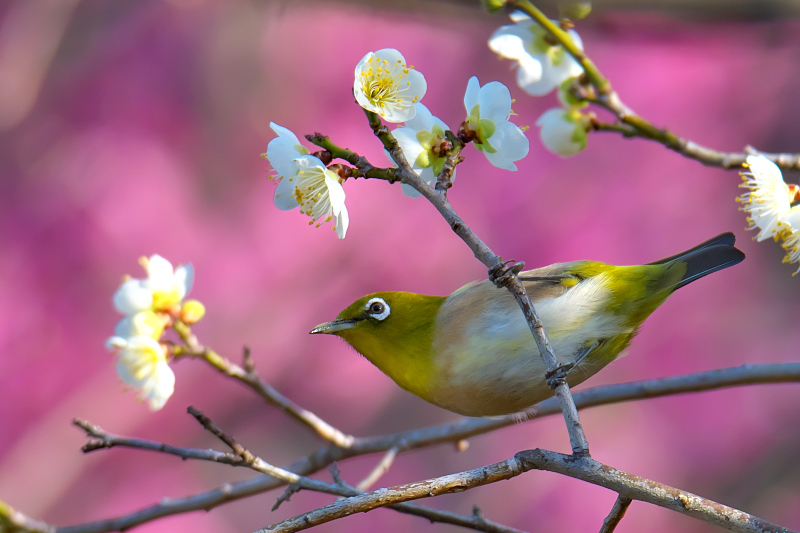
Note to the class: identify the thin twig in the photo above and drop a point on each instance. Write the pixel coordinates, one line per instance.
(251, 379)
(607, 98)
(380, 469)
(446, 434)
(243, 457)
(584, 468)
(615, 515)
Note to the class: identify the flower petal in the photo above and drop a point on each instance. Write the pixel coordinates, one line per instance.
(284, 133)
(510, 42)
(132, 297)
(495, 101)
(284, 199)
(423, 120)
(184, 278)
(511, 145)
(281, 153)
(557, 132)
(471, 96)
(336, 193)
(342, 222)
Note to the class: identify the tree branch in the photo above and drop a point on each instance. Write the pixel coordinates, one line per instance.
(243, 457)
(584, 468)
(448, 433)
(607, 98)
(250, 378)
(615, 515)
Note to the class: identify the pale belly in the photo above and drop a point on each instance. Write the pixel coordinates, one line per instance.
(487, 362)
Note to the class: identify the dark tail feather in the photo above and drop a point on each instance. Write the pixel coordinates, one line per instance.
(723, 238)
(705, 258)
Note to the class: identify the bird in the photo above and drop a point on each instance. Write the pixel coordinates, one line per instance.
(472, 352)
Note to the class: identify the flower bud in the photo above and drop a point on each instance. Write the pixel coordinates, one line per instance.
(575, 10)
(493, 6)
(191, 312)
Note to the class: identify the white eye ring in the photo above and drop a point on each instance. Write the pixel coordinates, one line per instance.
(381, 304)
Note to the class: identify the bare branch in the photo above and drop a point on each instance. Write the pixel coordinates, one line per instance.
(616, 514)
(12, 521)
(251, 379)
(584, 468)
(449, 433)
(637, 488)
(243, 457)
(401, 493)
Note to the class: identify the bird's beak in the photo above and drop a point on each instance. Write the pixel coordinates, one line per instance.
(332, 327)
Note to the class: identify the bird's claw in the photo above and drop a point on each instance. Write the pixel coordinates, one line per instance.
(558, 375)
(502, 273)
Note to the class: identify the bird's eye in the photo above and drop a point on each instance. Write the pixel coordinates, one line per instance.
(378, 308)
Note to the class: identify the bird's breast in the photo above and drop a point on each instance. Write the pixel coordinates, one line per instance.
(486, 361)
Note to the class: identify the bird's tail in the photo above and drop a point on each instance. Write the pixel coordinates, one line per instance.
(707, 257)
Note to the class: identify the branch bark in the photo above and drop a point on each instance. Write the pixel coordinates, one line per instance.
(446, 434)
(584, 468)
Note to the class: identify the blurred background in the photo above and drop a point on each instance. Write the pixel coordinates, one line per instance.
(133, 128)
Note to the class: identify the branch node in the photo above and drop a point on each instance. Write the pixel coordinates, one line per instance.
(558, 375)
(503, 273)
(290, 490)
(247, 361)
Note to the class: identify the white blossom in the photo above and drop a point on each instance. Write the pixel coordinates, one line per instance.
(563, 131)
(318, 193)
(543, 64)
(488, 110)
(282, 152)
(769, 199)
(422, 140)
(161, 291)
(143, 365)
(385, 85)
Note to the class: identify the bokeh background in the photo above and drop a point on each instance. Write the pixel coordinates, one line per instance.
(133, 128)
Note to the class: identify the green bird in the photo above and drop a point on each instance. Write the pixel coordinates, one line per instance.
(472, 352)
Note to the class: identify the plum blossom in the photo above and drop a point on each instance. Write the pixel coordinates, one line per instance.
(488, 110)
(143, 365)
(318, 192)
(563, 131)
(424, 144)
(385, 85)
(769, 199)
(542, 63)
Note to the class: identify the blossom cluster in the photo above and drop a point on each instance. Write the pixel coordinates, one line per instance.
(384, 84)
(149, 306)
(768, 203)
(543, 65)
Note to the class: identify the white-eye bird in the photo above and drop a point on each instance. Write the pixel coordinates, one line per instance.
(472, 352)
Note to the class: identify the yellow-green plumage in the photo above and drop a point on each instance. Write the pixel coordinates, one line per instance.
(472, 352)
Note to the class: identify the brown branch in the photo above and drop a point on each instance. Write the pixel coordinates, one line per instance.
(251, 379)
(637, 126)
(584, 468)
(12, 521)
(449, 433)
(499, 272)
(243, 457)
(615, 515)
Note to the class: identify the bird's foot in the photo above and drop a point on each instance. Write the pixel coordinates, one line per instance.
(558, 375)
(502, 273)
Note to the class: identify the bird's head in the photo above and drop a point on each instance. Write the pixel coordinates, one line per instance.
(394, 330)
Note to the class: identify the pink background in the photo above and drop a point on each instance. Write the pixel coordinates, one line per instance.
(142, 135)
